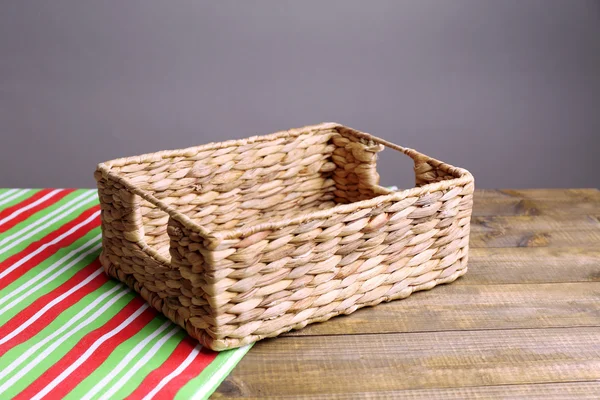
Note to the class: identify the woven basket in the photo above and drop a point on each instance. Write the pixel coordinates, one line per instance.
(247, 239)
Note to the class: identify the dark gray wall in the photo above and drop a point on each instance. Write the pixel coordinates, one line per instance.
(507, 89)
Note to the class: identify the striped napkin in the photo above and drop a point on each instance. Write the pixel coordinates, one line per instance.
(69, 331)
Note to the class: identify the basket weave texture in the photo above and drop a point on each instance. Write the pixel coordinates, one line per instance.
(247, 239)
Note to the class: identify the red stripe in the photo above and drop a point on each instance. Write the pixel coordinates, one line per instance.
(181, 352)
(202, 360)
(53, 312)
(30, 199)
(50, 250)
(96, 359)
(24, 215)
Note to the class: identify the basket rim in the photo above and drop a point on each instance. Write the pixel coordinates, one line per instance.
(192, 150)
(462, 178)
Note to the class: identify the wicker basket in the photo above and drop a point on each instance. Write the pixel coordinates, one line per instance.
(247, 239)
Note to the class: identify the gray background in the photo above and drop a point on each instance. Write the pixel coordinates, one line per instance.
(507, 89)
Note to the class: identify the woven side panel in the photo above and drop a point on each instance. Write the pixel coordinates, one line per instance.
(201, 318)
(273, 281)
(126, 258)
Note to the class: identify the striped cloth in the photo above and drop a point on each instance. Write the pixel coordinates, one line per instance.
(69, 331)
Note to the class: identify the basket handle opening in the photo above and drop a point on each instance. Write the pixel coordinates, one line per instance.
(151, 227)
(427, 169)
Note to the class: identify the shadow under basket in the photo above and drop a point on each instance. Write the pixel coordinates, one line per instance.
(247, 239)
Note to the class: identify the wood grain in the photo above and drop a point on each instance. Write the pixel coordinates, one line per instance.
(589, 194)
(535, 223)
(536, 238)
(536, 202)
(589, 390)
(516, 206)
(535, 231)
(292, 366)
(548, 391)
(470, 307)
(525, 265)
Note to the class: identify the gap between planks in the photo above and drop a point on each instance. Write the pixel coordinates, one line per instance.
(437, 331)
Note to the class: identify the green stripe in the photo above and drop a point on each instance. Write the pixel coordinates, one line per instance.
(47, 210)
(59, 280)
(72, 213)
(211, 377)
(65, 347)
(119, 354)
(27, 193)
(156, 361)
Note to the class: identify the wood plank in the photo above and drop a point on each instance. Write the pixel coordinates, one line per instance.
(536, 238)
(469, 307)
(535, 231)
(576, 193)
(520, 265)
(550, 391)
(516, 206)
(537, 391)
(536, 202)
(537, 223)
(585, 194)
(342, 365)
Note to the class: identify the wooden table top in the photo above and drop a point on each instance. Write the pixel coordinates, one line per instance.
(524, 322)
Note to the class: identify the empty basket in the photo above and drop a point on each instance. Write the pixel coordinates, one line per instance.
(247, 239)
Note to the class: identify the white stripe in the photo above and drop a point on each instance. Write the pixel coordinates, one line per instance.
(138, 365)
(14, 196)
(18, 237)
(88, 353)
(29, 206)
(175, 373)
(211, 383)
(44, 273)
(7, 193)
(62, 338)
(29, 256)
(126, 360)
(48, 306)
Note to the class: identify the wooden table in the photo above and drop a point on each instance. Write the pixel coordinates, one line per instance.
(523, 322)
